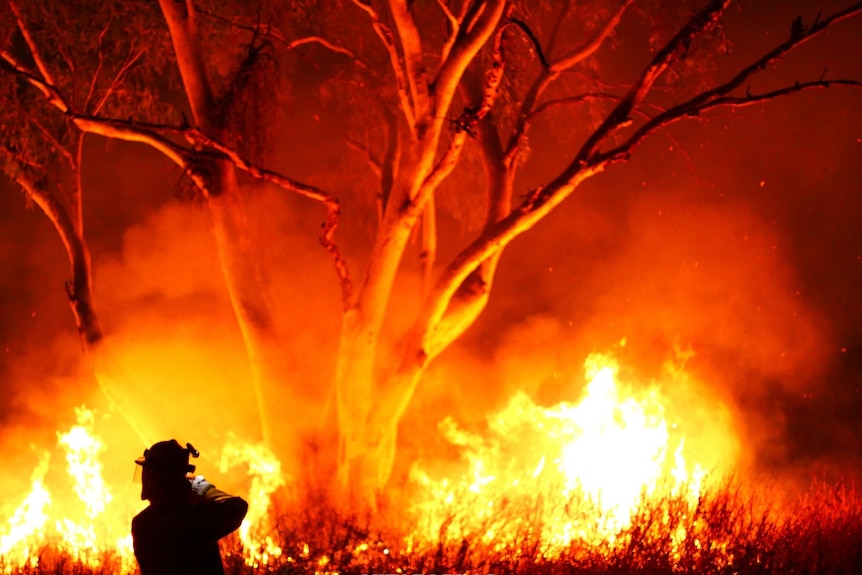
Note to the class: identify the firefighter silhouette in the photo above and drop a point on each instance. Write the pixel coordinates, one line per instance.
(179, 531)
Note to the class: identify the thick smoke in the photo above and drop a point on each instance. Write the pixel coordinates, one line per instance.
(735, 238)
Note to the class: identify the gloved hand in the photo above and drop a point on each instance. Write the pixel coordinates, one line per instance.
(200, 485)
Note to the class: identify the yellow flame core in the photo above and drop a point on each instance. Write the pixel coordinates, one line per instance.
(560, 474)
(571, 471)
(78, 525)
(84, 468)
(22, 532)
(92, 527)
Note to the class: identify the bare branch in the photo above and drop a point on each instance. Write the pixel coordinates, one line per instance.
(272, 33)
(687, 110)
(77, 194)
(363, 149)
(296, 43)
(153, 135)
(468, 43)
(78, 287)
(444, 166)
(94, 80)
(471, 116)
(799, 35)
(377, 169)
(543, 199)
(720, 95)
(55, 143)
(130, 61)
(523, 125)
(130, 131)
(671, 52)
(198, 138)
(31, 43)
(455, 23)
(55, 98)
(466, 124)
(496, 237)
(188, 159)
(577, 99)
(453, 20)
(751, 99)
(333, 207)
(385, 35)
(591, 46)
(537, 46)
(552, 71)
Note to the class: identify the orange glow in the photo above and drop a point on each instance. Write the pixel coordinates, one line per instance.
(266, 478)
(21, 533)
(576, 471)
(91, 524)
(81, 525)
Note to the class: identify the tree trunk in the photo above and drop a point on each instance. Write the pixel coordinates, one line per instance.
(239, 260)
(105, 368)
(360, 467)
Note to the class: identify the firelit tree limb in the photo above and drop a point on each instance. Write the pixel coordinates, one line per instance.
(590, 161)
(459, 308)
(366, 444)
(209, 163)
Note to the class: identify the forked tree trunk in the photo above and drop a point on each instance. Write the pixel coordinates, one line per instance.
(356, 371)
(369, 399)
(423, 341)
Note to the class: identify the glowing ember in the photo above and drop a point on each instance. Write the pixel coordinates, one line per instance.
(574, 472)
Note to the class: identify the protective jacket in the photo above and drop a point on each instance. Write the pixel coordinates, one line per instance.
(181, 538)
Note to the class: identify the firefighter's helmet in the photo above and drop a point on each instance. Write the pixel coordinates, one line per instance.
(168, 457)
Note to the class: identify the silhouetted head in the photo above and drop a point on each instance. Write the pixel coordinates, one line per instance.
(164, 469)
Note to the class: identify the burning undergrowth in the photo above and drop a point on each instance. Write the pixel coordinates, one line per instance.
(609, 482)
(519, 459)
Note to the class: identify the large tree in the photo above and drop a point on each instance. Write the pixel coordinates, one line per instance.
(418, 86)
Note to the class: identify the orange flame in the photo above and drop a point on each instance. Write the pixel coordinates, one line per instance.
(266, 478)
(93, 526)
(573, 471)
(78, 525)
(22, 531)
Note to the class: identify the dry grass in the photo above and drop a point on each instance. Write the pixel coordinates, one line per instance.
(729, 530)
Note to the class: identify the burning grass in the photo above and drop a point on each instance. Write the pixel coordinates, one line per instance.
(615, 483)
(729, 529)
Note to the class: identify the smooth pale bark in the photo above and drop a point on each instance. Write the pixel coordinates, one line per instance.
(368, 401)
(356, 395)
(239, 259)
(423, 342)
